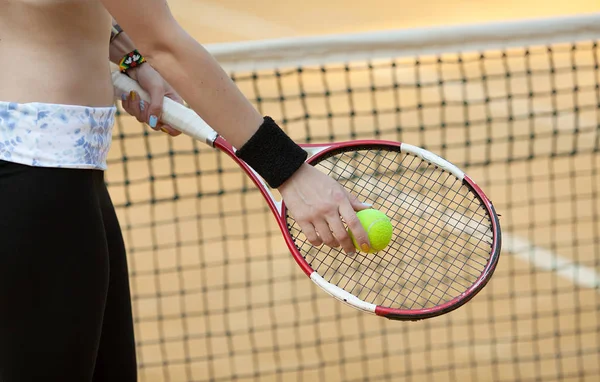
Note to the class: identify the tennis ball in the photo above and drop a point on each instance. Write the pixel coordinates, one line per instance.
(378, 227)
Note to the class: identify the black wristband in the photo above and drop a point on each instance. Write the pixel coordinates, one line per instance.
(272, 154)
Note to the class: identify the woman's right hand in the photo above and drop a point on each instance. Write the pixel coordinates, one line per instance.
(318, 203)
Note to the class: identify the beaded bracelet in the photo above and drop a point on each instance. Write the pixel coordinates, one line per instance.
(131, 60)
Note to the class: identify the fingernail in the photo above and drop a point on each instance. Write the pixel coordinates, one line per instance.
(124, 96)
(132, 95)
(153, 121)
(164, 130)
(365, 247)
(142, 105)
(351, 254)
(367, 205)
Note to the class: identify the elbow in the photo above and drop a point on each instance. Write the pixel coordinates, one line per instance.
(161, 43)
(174, 49)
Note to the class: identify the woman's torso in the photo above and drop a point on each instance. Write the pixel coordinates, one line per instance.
(55, 51)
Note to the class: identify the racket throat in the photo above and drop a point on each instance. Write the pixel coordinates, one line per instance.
(342, 295)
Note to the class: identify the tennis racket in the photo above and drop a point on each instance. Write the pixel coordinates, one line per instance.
(446, 240)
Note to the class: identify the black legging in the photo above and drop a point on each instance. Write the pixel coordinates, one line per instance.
(65, 308)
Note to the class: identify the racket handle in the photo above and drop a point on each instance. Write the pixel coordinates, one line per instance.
(174, 114)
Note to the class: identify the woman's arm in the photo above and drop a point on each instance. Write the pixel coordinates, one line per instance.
(183, 61)
(120, 44)
(149, 79)
(315, 200)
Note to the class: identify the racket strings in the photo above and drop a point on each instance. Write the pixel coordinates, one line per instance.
(351, 168)
(459, 279)
(406, 297)
(435, 237)
(442, 234)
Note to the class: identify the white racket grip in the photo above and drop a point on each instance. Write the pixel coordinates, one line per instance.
(174, 114)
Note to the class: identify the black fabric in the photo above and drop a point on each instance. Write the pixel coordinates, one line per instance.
(272, 154)
(65, 307)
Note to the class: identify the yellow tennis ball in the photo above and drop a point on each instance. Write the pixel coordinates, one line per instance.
(378, 227)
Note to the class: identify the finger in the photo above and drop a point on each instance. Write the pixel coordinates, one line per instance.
(311, 234)
(359, 233)
(155, 108)
(171, 93)
(126, 104)
(324, 231)
(143, 106)
(357, 205)
(132, 105)
(125, 100)
(168, 130)
(340, 233)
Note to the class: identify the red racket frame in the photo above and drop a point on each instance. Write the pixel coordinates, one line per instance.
(390, 313)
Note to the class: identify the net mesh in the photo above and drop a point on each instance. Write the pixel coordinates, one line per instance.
(217, 297)
(443, 234)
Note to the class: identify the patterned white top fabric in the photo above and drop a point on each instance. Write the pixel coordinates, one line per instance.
(53, 135)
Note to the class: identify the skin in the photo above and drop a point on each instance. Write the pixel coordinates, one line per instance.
(58, 51)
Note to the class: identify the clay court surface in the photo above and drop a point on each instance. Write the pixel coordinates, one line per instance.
(248, 313)
(231, 20)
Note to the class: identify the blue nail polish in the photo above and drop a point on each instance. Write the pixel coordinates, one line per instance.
(142, 105)
(124, 96)
(153, 121)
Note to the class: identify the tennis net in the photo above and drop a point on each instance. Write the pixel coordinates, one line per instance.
(217, 297)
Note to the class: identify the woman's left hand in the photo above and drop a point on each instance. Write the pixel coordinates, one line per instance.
(153, 83)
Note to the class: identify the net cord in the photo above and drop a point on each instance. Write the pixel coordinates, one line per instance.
(337, 48)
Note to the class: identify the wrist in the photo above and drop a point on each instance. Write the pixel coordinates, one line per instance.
(120, 46)
(272, 154)
(134, 73)
(131, 60)
(115, 31)
(290, 181)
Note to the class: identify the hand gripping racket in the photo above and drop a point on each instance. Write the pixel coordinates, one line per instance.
(446, 240)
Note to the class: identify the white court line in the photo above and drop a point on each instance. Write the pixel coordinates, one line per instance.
(207, 14)
(519, 247)
(547, 260)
